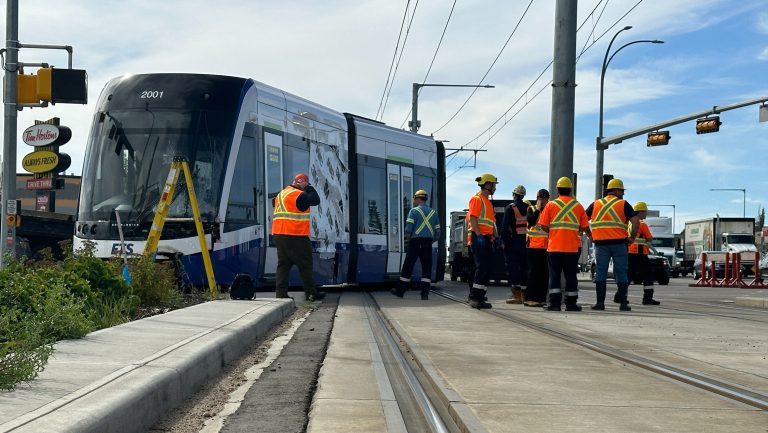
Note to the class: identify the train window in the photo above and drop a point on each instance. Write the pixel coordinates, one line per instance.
(296, 161)
(241, 206)
(373, 203)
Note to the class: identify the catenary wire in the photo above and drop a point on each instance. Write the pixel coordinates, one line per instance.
(439, 43)
(397, 64)
(538, 93)
(394, 56)
(525, 12)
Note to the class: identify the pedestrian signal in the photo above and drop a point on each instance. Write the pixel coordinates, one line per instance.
(658, 138)
(708, 124)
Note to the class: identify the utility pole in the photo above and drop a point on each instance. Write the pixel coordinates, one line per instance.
(8, 245)
(563, 92)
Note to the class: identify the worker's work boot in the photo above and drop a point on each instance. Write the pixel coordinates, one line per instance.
(600, 288)
(648, 297)
(516, 296)
(554, 302)
(570, 303)
(424, 286)
(477, 299)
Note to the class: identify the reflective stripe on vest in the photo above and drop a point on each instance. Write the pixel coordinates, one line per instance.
(485, 222)
(566, 210)
(521, 222)
(640, 245)
(425, 223)
(607, 224)
(537, 238)
(288, 219)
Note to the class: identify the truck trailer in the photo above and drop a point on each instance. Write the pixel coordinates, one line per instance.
(730, 234)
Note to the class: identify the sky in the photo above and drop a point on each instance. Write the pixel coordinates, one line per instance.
(339, 53)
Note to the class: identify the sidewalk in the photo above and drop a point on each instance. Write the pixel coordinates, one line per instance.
(125, 377)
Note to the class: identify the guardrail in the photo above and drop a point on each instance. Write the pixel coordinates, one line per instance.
(732, 276)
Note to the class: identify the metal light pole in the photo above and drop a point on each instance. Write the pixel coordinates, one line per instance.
(598, 143)
(673, 215)
(415, 123)
(744, 197)
(8, 231)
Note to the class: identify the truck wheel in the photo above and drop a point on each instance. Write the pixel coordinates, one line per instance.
(675, 274)
(685, 274)
(454, 273)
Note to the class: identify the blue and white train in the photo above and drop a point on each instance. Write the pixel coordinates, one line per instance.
(244, 142)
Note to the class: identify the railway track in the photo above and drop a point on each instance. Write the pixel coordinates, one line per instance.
(705, 382)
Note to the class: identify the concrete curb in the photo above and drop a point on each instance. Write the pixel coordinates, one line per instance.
(747, 301)
(134, 397)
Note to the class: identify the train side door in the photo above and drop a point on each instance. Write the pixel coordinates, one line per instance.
(273, 169)
(399, 192)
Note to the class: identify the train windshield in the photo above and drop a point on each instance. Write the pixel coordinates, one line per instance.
(130, 155)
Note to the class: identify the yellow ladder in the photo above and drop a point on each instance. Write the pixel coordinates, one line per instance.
(177, 166)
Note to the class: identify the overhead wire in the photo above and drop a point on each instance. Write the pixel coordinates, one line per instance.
(584, 49)
(439, 43)
(525, 12)
(397, 64)
(394, 56)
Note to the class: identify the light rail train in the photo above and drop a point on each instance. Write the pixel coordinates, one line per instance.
(244, 141)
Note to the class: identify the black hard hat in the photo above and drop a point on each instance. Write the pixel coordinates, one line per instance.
(542, 192)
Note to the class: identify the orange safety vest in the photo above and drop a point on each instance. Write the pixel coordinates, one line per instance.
(521, 222)
(288, 219)
(536, 238)
(640, 245)
(486, 220)
(608, 219)
(564, 227)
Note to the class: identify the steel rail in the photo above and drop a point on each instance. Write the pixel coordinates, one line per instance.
(430, 414)
(731, 391)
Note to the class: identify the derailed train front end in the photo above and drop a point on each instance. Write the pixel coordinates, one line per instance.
(141, 123)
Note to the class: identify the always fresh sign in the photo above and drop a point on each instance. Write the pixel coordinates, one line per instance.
(41, 161)
(46, 135)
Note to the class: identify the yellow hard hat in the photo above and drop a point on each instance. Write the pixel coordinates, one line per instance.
(641, 206)
(615, 184)
(485, 178)
(421, 194)
(564, 182)
(519, 190)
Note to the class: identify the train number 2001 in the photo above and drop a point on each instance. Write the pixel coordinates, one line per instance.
(151, 94)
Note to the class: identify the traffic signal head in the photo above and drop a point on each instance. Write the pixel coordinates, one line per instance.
(658, 138)
(62, 85)
(708, 124)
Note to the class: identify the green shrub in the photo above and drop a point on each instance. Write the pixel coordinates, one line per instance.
(154, 282)
(23, 349)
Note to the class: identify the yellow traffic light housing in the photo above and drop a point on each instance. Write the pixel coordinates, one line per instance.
(26, 89)
(708, 124)
(658, 138)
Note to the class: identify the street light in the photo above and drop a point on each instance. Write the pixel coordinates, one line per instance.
(598, 142)
(673, 215)
(415, 123)
(744, 197)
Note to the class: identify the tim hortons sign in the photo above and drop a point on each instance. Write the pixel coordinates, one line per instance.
(46, 135)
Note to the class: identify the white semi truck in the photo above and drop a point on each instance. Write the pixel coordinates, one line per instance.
(664, 242)
(719, 234)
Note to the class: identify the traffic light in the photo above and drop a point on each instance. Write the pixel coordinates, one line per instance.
(606, 178)
(708, 124)
(26, 89)
(62, 85)
(658, 138)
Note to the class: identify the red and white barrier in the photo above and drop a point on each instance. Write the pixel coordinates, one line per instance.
(732, 276)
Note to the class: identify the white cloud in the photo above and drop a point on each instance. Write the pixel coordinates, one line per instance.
(763, 54)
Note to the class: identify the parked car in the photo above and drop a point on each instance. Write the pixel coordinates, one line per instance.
(763, 266)
(659, 266)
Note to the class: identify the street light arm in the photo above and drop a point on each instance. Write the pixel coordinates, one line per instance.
(655, 41)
